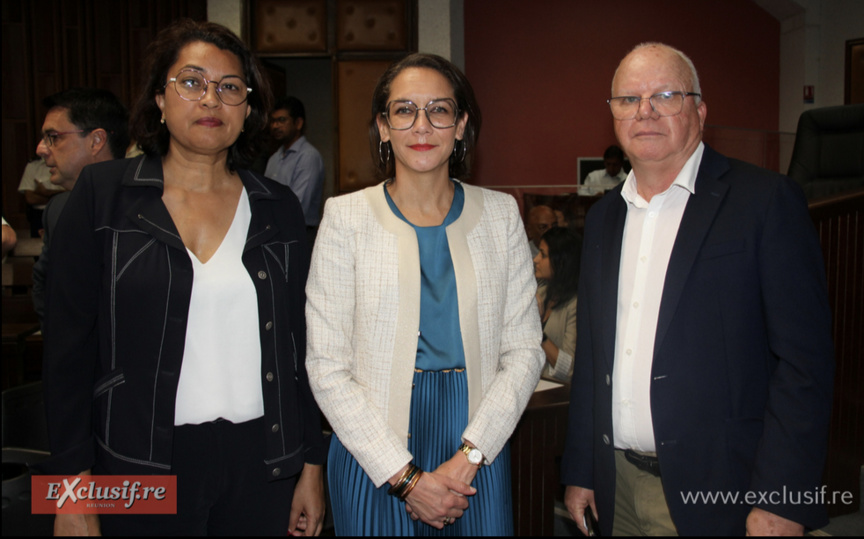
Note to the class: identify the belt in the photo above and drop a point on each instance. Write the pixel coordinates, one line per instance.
(643, 462)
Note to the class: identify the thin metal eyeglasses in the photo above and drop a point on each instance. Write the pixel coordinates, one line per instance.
(50, 138)
(626, 107)
(192, 86)
(402, 115)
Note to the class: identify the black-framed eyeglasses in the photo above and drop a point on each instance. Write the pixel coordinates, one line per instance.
(626, 107)
(441, 113)
(50, 138)
(192, 86)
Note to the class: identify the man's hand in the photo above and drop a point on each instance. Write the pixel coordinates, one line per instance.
(763, 523)
(577, 499)
(307, 507)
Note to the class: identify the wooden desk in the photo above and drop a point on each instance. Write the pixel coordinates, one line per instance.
(537, 445)
(14, 345)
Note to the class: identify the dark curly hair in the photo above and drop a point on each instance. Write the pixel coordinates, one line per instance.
(459, 168)
(152, 136)
(564, 257)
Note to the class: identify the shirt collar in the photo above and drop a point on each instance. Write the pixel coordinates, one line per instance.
(294, 147)
(686, 179)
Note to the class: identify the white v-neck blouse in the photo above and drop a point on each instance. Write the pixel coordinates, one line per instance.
(220, 376)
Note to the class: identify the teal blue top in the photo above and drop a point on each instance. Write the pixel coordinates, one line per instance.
(439, 345)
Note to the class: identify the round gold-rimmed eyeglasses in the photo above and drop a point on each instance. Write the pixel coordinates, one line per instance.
(192, 86)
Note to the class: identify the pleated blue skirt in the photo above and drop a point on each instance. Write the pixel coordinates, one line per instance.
(439, 415)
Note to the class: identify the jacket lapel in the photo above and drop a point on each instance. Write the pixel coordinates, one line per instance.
(698, 215)
(610, 266)
(147, 209)
(259, 193)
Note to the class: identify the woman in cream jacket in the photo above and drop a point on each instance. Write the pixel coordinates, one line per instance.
(371, 345)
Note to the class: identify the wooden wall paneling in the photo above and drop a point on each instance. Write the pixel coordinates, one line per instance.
(372, 25)
(289, 26)
(355, 83)
(840, 225)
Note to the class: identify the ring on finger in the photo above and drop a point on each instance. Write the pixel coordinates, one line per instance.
(446, 521)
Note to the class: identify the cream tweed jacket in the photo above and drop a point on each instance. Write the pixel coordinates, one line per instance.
(363, 313)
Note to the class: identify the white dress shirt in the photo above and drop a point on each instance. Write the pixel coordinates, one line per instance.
(649, 235)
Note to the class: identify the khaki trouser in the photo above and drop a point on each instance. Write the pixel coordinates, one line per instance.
(640, 505)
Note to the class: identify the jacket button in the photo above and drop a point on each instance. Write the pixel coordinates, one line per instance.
(277, 472)
(275, 428)
(268, 326)
(606, 439)
(608, 380)
(269, 376)
(262, 274)
(409, 435)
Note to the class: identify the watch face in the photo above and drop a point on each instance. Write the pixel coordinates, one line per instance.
(475, 456)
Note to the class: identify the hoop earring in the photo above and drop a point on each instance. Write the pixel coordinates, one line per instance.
(381, 145)
(456, 151)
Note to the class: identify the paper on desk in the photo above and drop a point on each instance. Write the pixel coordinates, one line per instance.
(543, 385)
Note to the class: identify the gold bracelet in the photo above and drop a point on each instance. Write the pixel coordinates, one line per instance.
(402, 482)
(411, 485)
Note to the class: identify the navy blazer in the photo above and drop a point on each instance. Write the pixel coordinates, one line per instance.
(118, 301)
(743, 360)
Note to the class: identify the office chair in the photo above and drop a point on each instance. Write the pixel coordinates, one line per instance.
(828, 157)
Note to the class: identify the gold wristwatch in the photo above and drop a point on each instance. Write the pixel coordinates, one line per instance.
(474, 455)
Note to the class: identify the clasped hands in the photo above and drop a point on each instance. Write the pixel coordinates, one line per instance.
(440, 496)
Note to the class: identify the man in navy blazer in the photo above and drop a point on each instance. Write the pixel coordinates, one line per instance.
(703, 374)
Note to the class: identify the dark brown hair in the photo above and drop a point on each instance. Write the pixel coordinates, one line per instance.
(152, 136)
(460, 167)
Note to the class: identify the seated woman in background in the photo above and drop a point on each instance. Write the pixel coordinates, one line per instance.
(423, 333)
(558, 264)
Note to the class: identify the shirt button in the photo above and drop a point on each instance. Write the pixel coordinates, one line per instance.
(644, 258)
(652, 214)
(606, 439)
(635, 304)
(268, 326)
(629, 352)
(277, 472)
(269, 376)
(275, 428)
(262, 274)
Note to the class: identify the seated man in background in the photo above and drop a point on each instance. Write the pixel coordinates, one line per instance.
(37, 191)
(540, 219)
(83, 126)
(611, 174)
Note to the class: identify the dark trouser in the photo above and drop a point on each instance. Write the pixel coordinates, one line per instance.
(222, 486)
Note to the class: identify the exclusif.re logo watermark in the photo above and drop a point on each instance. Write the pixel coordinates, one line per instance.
(104, 494)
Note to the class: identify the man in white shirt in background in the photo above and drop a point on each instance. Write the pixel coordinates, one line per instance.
(612, 173)
(37, 189)
(297, 163)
